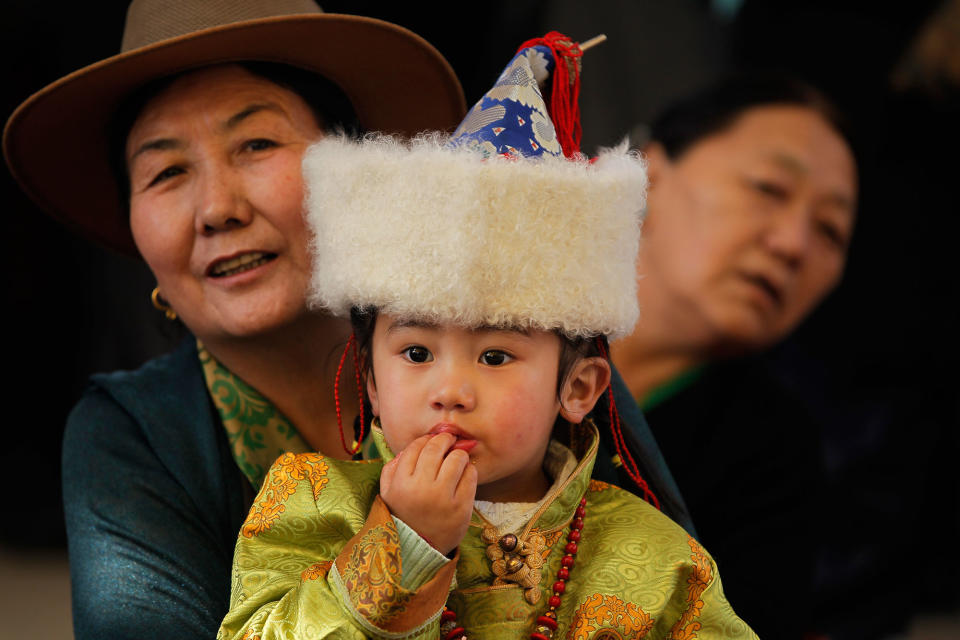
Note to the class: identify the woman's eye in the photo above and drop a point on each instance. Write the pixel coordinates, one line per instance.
(260, 144)
(771, 189)
(166, 174)
(832, 234)
(417, 354)
(495, 358)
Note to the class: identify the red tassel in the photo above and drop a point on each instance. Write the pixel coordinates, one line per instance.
(629, 464)
(564, 107)
(351, 342)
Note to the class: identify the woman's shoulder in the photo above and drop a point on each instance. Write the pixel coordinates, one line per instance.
(161, 411)
(170, 373)
(161, 391)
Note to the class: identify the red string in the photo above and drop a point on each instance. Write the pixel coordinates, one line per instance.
(351, 342)
(629, 464)
(356, 370)
(564, 108)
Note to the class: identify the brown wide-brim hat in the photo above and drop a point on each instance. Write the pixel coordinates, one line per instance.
(57, 144)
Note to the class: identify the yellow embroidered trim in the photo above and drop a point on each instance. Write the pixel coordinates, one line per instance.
(599, 485)
(316, 571)
(370, 576)
(599, 611)
(287, 471)
(686, 627)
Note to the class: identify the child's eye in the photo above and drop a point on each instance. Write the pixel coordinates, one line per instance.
(417, 354)
(495, 358)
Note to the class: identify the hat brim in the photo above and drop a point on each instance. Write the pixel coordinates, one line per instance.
(56, 142)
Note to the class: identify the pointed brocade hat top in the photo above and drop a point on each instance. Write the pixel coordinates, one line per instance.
(504, 224)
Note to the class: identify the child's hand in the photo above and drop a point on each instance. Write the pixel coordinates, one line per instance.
(432, 489)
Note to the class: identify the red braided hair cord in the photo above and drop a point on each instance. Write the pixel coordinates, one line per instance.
(351, 342)
(564, 105)
(629, 465)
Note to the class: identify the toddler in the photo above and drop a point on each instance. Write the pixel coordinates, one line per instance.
(484, 275)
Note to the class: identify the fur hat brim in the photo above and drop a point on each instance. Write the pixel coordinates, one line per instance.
(423, 231)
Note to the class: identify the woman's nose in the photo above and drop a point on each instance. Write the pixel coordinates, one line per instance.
(789, 235)
(453, 391)
(221, 204)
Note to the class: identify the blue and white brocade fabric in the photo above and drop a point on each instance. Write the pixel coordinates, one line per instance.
(511, 119)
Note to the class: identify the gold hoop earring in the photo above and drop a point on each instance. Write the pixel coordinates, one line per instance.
(162, 305)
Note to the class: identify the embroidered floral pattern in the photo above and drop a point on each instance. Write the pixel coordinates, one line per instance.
(251, 635)
(612, 617)
(550, 539)
(371, 576)
(280, 484)
(686, 627)
(256, 430)
(316, 571)
(599, 485)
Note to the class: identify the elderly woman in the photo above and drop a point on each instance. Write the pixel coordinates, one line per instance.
(753, 190)
(186, 148)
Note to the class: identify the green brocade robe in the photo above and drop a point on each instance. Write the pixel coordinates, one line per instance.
(319, 557)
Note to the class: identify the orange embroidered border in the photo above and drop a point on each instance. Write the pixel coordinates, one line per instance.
(686, 627)
(599, 613)
(281, 482)
(371, 576)
(316, 571)
(598, 485)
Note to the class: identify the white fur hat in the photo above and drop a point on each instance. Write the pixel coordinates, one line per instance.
(421, 230)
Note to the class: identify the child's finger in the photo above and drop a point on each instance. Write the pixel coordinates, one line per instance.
(433, 453)
(386, 475)
(407, 459)
(467, 487)
(452, 468)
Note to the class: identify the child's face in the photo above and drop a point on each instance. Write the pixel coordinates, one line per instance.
(495, 390)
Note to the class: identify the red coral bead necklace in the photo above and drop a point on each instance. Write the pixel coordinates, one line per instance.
(546, 623)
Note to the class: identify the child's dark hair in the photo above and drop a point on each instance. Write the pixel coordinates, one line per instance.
(571, 350)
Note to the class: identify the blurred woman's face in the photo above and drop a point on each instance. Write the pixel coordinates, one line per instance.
(748, 229)
(216, 200)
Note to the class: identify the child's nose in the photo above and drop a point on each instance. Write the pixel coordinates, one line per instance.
(454, 392)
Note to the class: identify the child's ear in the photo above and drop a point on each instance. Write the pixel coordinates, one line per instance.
(582, 388)
(372, 393)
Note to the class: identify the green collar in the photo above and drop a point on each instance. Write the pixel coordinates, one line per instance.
(258, 433)
(663, 392)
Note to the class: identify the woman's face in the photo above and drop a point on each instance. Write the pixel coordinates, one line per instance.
(748, 229)
(216, 200)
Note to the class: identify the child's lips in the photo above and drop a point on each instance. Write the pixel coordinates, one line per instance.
(465, 440)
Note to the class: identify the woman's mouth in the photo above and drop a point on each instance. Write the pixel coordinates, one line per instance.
(773, 292)
(239, 264)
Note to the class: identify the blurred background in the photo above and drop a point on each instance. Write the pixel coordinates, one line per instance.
(876, 362)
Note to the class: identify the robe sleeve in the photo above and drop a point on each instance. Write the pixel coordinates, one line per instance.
(705, 613)
(299, 572)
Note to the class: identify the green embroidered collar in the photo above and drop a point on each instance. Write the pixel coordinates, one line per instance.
(258, 433)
